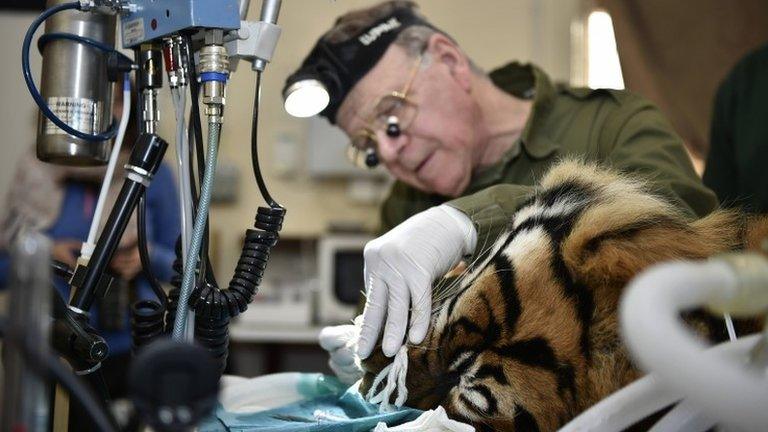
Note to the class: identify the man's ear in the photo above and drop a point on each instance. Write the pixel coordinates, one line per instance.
(443, 50)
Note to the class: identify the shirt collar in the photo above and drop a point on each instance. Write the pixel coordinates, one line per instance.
(525, 82)
(491, 174)
(528, 81)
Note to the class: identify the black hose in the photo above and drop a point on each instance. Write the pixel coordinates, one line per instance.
(214, 307)
(141, 222)
(147, 323)
(256, 247)
(254, 145)
(249, 271)
(212, 333)
(194, 88)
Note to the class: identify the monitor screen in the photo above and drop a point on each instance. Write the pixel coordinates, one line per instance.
(348, 275)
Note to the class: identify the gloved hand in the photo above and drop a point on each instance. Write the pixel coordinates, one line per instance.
(340, 342)
(400, 267)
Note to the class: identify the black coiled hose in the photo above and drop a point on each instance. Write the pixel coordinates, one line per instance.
(249, 271)
(147, 316)
(213, 335)
(213, 306)
(147, 323)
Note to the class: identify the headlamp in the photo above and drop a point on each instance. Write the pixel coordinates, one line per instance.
(330, 70)
(306, 98)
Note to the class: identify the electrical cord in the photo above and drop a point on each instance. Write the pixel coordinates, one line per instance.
(147, 323)
(27, 72)
(45, 364)
(141, 222)
(147, 316)
(194, 133)
(194, 88)
(254, 146)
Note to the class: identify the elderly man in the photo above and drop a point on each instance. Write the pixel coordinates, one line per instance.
(466, 148)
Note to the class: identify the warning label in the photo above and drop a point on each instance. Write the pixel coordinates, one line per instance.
(80, 113)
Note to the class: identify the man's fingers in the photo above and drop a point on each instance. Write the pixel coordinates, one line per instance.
(421, 310)
(343, 357)
(397, 317)
(373, 316)
(335, 337)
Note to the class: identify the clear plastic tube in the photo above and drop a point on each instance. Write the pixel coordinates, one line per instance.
(182, 158)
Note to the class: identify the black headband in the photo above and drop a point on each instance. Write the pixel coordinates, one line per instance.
(339, 66)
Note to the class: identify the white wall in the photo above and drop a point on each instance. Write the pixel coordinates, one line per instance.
(18, 116)
(491, 31)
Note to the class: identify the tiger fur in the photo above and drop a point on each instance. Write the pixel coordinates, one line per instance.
(527, 338)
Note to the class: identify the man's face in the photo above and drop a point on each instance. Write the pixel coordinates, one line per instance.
(437, 151)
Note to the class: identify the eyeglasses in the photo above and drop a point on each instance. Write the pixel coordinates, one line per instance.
(392, 106)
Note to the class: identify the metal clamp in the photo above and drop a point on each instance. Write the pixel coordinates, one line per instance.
(254, 42)
(138, 174)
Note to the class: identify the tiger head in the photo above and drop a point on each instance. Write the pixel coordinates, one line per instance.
(527, 337)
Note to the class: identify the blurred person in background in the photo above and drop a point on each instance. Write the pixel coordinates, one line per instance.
(738, 148)
(59, 202)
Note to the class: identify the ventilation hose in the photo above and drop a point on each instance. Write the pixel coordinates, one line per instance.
(188, 280)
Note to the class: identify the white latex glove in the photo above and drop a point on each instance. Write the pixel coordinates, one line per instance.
(400, 267)
(340, 342)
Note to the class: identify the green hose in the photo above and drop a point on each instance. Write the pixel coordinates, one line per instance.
(188, 280)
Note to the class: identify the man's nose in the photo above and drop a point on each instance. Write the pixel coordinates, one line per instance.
(389, 148)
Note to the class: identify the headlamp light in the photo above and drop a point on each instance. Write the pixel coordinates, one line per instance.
(306, 98)
(331, 69)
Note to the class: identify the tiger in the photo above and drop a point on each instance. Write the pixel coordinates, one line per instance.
(527, 337)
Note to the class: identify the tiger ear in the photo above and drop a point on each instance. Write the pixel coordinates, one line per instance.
(614, 249)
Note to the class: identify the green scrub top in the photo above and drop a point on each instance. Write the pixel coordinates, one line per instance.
(738, 149)
(616, 128)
